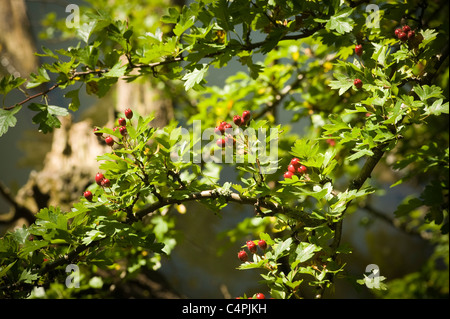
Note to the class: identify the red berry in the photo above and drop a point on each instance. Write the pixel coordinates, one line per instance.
(246, 115)
(109, 140)
(99, 178)
(122, 121)
(358, 83)
(251, 246)
(227, 126)
(105, 182)
(288, 174)
(331, 142)
(238, 120)
(88, 195)
(302, 170)
(260, 296)
(242, 255)
(128, 113)
(406, 28)
(292, 168)
(402, 36)
(95, 132)
(220, 142)
(230, 140)
(219, 130)
(359, 49)
(397, 31)
(411, 34)
(262, 244)
(123, 130)
(296, 162)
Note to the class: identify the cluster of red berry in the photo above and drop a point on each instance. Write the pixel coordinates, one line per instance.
(122, 128)
(99, 178)
(252, 247)
(295, 167)
(405, 33)
(358, 51)
(223, 126)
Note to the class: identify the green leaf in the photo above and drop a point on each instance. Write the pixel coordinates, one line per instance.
(74, 95)
(51, 218)
(46, 117)
(47, 52)
(171, 17)
(92, 235)
(425, 92)
(20, 235)
(38, 79)
(341, 21)
(360, 153)
(282, 248)
(86, 29)
(28, 277)
(343, 83)
(116, 71)
(186, 20)
(9, 83)
(7, 119)
(31, 246)
(305, 251)
(57, 110)
(4, 270)
(437, 108)
(194, 77)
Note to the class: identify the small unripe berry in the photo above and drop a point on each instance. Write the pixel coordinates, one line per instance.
(359, 49)
(242, 255)
(129, 114)
(262, 244)
(358, 83)
(109, 140)
(260, 296)
(238, 120)
(288, 174)
(122, 121)
(251, 246)
(99, 178)
(88, 195)
(246, 115)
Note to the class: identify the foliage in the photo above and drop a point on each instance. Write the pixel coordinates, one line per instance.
(305, 64)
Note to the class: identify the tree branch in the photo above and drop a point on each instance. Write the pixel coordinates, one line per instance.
(231, 197)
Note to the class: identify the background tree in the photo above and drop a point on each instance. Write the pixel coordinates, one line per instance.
(372, 104)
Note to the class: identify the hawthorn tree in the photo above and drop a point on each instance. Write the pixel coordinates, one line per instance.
(368, 82)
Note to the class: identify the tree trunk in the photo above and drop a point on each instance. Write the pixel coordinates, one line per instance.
(16, 42)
